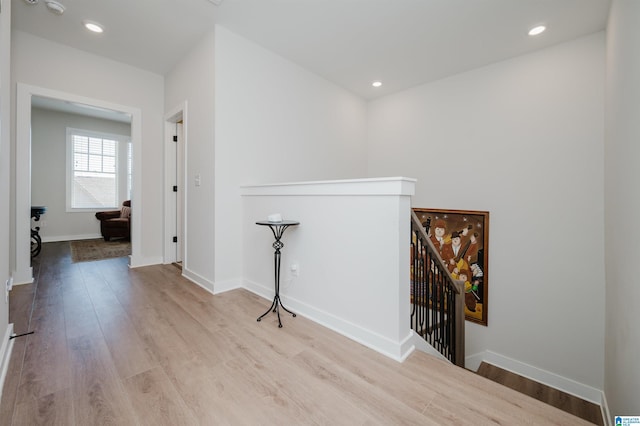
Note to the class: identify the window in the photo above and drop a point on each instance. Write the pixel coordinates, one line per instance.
(93, 179)
(129, 169)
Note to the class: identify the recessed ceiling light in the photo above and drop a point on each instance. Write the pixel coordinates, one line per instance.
(376, 84)
(93, 26)
(537, 30)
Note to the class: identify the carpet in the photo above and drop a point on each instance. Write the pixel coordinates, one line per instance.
(88, 250)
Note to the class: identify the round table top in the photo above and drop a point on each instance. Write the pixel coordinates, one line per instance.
(281, 223)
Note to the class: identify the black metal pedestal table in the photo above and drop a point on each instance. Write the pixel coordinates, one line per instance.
(36, 240)
(278, 229)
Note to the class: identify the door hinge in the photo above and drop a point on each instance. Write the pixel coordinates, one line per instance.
(175, 188)
(175, 239)
(175, 138)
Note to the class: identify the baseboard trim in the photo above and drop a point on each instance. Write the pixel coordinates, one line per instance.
(197, 279)
(262, 291)
(140, 261)
(57, 238)
(539, 375)
(606, 414)
(226, 285)
(5, 355)
(23, 277)
(395, 350)
(422, 345)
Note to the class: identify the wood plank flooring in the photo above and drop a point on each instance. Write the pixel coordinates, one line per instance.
(144, 346)
(564, 401)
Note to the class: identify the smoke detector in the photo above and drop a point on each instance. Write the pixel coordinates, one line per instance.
(54, 6)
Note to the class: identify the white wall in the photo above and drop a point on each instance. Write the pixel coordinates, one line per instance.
(41, 63)
(5, 164)
(275, 122)
(49, 172)
(522, 139)
(352, 255)
(622, 209)
(192, 82)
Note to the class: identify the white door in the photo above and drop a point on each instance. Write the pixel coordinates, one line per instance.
(175, 195)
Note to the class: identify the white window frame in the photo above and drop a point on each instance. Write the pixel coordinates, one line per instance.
(129, 187)
(121, 140)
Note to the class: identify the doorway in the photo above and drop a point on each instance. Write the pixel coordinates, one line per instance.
(176, 191)
(26, 94)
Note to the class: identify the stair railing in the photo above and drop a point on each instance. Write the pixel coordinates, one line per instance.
(437, 299)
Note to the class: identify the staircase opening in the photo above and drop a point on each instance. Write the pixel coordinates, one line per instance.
(437, 299)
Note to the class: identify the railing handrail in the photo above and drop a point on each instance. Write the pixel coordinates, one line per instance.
(450, 280)
(453, 348)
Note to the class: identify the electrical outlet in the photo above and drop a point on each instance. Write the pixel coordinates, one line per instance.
(295, 270)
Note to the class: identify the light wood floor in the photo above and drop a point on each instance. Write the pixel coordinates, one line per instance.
(147, 347)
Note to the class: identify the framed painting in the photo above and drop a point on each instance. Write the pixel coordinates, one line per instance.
(462, 239)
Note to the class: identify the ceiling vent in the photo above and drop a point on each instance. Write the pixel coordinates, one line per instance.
(54, 7)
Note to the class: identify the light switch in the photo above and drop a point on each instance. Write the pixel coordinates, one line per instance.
(197, 180)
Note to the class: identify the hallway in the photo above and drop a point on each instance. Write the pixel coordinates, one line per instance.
(114, 345)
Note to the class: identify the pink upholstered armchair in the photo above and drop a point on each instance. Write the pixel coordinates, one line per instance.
(116, 223)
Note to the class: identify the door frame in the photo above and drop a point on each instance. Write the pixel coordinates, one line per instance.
(172, 200)
(22, 271)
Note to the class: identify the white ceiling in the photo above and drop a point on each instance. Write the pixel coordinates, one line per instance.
(403, 43)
